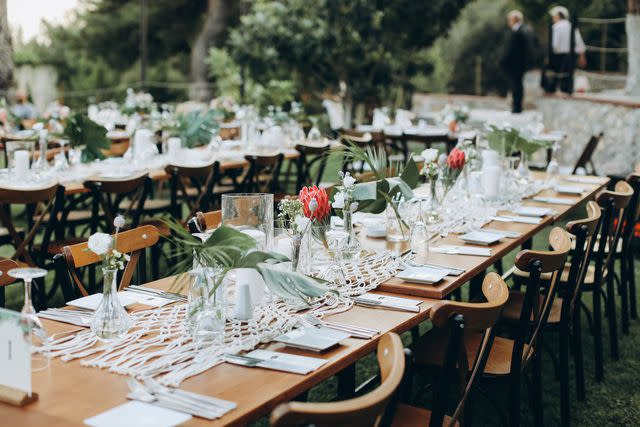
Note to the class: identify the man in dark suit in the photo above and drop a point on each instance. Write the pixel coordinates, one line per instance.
(516, 58)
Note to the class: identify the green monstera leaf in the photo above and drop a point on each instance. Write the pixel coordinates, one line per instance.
(82, 131)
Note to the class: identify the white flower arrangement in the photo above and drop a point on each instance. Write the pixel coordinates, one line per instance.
(431, 167)
(103, 245)
(344, 197)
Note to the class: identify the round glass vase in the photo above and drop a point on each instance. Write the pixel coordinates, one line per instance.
(110, 322)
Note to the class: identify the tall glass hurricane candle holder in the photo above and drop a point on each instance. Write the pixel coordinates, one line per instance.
(251, 213)
(19, 157)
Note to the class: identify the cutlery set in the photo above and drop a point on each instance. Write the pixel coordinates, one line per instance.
(158, 293)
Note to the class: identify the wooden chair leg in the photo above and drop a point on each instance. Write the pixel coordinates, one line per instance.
(415, 334)
(611, 317)
(624, 296)
(578, 357)
(597, 335)
(347, 381)
(537, 389)
(514, 399)
(631, 277)
(564, 375)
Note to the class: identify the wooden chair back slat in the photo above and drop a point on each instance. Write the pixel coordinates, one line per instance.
(614, 205)
(585, 158)
(363, 411)
(535, 312)
(208, 220)
(459, 319)
(263, 173)
(310, 156)
(5, 266)
(202, 178)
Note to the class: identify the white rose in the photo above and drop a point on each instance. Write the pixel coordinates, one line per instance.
(100, 243)
(118, 222)
(348, 180)
(338, 201)
(301, 222)
(429, 155)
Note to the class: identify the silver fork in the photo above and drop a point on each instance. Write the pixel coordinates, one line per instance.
(354, 331)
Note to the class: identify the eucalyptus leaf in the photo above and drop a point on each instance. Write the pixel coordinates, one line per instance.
(290, 284)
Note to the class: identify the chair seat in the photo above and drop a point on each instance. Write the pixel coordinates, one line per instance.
(157, 204)
(410, 416)
(430, 351)
(513, 307)
(589, 278)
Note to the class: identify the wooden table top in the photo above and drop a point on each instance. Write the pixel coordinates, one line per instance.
(70, 393)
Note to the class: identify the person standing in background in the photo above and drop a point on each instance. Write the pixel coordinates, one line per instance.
(516, 58)
(561, 58)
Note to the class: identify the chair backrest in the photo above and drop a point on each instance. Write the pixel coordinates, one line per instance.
(109, 194)
(77, 256)
(535, 311)
(614, 206)
(585, 231)
(310, 156)
(5, 279)
(263, 173)
(51, 197)
(362, 411)
(201, 178)
(585, 158)
(459, 318)
(633, 212)
(204, 221)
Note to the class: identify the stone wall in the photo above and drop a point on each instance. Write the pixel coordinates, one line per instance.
(618, 151)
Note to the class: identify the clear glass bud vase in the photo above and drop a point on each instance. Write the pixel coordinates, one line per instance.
(110, 322)
(350, 249)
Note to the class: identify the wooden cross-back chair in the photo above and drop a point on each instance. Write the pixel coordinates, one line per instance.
(626, 255)
(446, 346)
(564, 315)
(363, 411)
(311, 157)
(584, 161)
(49, 197)
(614, 206)
(75, 257)
(5, 279)
(205, 221)
(192, 186)
(108, 196)
(263, 173)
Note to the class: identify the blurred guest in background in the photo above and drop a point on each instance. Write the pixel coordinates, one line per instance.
(561, 59)
(517, 57)
(23, 109)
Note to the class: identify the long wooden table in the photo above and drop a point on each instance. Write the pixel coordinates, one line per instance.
(70, 393)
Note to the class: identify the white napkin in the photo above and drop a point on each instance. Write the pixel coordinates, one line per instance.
(461, 250)
(554, 200)
(287, 362)
(516, 218)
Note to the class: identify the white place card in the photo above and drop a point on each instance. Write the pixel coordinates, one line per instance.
(280, 361)
(517, 218)
(534, 211)
(91, 302)
(570, 189)
(389, 300)
(15, 351)
(554, 200)
(313, 339)
(481, 237)
(139, 414)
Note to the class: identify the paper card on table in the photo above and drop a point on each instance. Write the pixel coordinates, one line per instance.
(139, 414)
(569, 189)
(534, 211)
(554, 200)
(584, 179)
(422, 275)
(516, 218)
(150, 300)
(407, 302)
(313, 339)
(481, 237)
(305, 364)
(91, 302)
(461, 250)
(15, 351)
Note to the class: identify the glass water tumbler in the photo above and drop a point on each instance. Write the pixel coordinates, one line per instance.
(251, 213)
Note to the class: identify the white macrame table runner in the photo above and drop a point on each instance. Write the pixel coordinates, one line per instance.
(158, 345)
